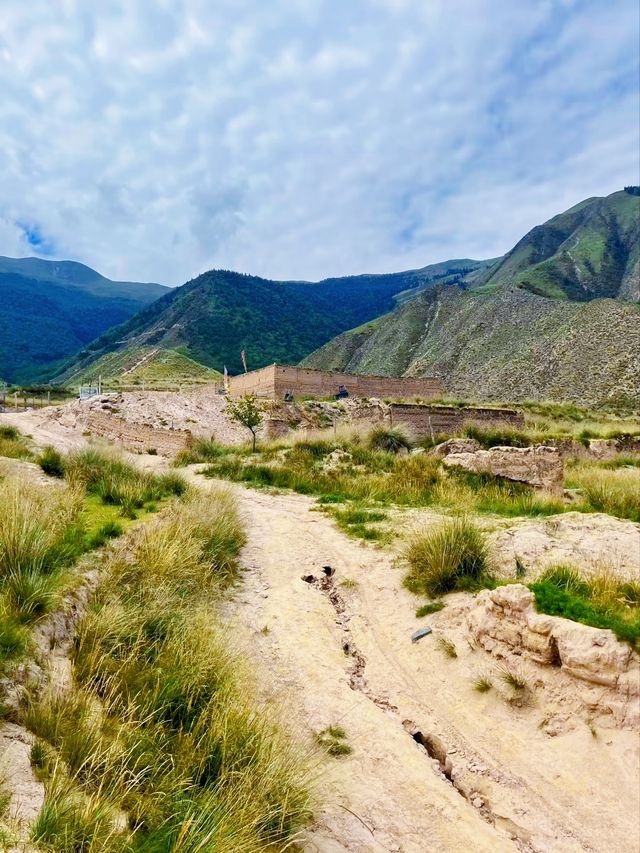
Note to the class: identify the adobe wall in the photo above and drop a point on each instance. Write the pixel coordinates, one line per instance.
(276, 380)
(427, 421)
(138, 437)
(259, 382)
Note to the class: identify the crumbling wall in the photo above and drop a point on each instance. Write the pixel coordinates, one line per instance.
(138, 437)
(504, 621)
(430, 421)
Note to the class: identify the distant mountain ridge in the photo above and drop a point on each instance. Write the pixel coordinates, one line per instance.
(556, 318)
(212, 318)
(50, 309)
(588, 252)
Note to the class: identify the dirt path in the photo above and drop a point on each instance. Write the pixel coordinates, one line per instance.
(435, 765)
(341, 654)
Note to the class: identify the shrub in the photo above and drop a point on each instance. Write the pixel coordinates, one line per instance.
(451, 556)
(389, 439)
(51, 462)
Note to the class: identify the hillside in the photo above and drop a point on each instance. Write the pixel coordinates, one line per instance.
(215, 316)
(151, 367)
(555, 318)
(50, 309)
(588, 252)
(510, 345)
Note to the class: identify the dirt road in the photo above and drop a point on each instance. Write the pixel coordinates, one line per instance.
(338, 651)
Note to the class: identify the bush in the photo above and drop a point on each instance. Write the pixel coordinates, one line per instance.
(451, 556)
(51, 462)
(389, 439)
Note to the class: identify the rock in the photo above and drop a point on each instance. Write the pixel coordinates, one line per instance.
(538, 466)
(504, 621)
(456, 445)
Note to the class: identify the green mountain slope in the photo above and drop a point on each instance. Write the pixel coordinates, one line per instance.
(508, 345)
(556, 318)
(50, 309)
(588, 252)
(217, 315)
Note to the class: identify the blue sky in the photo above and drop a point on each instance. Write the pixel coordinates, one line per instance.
(306, 138)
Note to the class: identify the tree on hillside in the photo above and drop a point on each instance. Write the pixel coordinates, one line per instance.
(248, 411)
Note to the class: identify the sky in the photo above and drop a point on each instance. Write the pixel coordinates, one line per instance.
(299, 139)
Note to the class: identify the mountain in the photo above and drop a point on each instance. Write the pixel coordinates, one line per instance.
(50, 309)
(590, 251)
(541, 323)
(217, 315)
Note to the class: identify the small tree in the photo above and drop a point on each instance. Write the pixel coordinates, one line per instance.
(248, 411)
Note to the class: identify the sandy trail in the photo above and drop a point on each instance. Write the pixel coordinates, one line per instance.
(525, 790)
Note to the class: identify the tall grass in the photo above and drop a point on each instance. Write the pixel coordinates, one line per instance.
(118, 483)
(450, 556)
(164, 727)
(40, 534)
(389, 439)
(614, 491)
(12, 443)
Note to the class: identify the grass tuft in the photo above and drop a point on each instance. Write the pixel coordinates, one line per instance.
(429, 608)
(447, 647)
(51, 462)
(450, 556)
(389, 439)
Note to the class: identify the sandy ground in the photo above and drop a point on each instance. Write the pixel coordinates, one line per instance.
(524, 789)
(338, 651)
(200, 410)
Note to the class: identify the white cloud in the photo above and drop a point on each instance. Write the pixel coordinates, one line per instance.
(304, 138)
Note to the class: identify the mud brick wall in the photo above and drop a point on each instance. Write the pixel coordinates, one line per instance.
(425, 421)
(138, 437)
(277, 380)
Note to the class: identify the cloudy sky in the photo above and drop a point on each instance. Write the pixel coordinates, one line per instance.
(154, 139)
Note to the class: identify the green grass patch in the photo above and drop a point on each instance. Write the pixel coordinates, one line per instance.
(429, 608)
(603, 601)
(12, 444)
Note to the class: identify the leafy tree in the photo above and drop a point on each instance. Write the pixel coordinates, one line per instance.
(248, 411)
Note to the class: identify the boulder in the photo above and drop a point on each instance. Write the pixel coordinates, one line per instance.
(538, 466)
(456, 445)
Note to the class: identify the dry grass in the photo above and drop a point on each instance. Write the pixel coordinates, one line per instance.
(165, 725)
